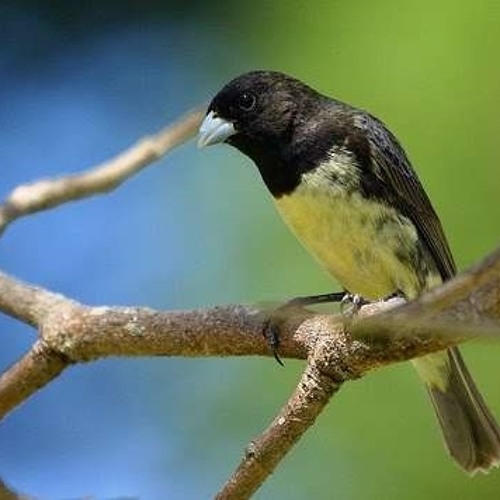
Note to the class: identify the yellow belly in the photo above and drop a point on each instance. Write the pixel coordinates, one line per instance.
(358, 241)
(364, 245)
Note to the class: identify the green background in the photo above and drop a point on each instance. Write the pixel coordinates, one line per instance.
(430, 70)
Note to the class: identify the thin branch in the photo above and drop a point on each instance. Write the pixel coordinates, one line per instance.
(27, 303)
(45, 194)
(317, 385)
(7, 493)
(32, 372)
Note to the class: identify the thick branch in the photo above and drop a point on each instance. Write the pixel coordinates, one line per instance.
(469, 303)
(71, 332)
(45, 194)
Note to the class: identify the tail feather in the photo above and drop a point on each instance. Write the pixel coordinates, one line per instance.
(471, 433)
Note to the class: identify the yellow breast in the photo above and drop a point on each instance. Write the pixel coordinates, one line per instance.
(358, 241)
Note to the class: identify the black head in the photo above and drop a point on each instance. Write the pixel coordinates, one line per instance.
(283, 125)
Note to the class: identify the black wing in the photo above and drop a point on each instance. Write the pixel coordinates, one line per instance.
(397, 183)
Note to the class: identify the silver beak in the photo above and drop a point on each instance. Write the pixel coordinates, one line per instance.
(214, 130)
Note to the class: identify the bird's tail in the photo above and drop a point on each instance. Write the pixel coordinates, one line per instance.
(471, 434)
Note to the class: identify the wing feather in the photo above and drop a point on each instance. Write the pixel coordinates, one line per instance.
(398, 184)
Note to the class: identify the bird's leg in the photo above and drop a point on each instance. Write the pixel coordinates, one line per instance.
(310, 300)
(351, 304)
(355, 302)
(271, 327)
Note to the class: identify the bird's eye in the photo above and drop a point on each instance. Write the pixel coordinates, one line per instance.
(246, 101)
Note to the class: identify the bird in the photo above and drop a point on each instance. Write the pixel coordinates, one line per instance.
(344, 185)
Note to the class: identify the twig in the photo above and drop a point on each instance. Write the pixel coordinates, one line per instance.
(34, 370)
(50, 193)
(7, 493)
(317, 385)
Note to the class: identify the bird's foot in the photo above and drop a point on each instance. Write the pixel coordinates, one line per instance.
(351, 304)
(272, 324)
(270, 332)
(310, 300)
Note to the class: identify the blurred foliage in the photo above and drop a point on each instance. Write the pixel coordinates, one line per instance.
(81, 80)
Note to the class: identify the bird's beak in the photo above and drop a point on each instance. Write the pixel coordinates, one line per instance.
(214, 130)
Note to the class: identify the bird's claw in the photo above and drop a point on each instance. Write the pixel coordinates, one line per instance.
(271, 327)
(270, 333)
(351, 304)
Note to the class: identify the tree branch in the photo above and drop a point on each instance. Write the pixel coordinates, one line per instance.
(39, 366)
(7, 493)
(311, 395)
(71, 333)
(390, 335)
(45, 194)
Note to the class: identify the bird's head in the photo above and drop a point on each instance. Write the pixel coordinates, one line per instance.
(258, 113)
(286, 127)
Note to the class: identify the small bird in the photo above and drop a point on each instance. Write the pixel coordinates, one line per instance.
(345, 187)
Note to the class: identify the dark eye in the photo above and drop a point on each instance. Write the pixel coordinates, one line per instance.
(246, 101)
